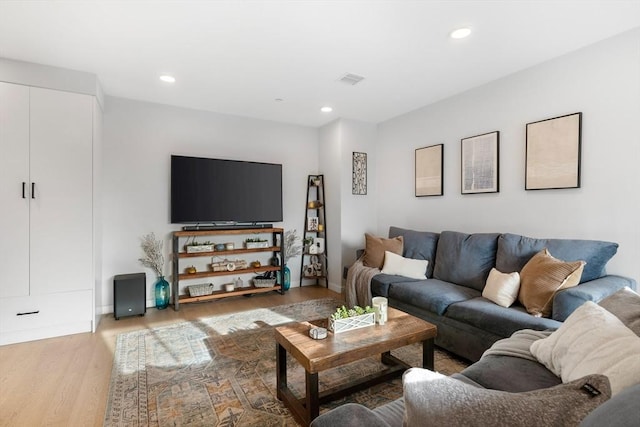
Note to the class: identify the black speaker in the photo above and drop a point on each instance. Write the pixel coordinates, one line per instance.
(129, 295)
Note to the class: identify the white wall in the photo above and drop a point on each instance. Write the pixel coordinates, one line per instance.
(139, 138)
(358, 212)
(329, 155)
(347, 215)
(602, 81)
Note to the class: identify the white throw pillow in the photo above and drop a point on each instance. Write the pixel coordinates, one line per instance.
(408, 267)
(592, 341)
(502, 288)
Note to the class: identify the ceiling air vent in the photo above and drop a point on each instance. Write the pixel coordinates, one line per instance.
(351, 79)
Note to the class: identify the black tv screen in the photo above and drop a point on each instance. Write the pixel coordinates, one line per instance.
(221, 191)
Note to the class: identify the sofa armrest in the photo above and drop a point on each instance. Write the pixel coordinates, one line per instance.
(349, 415)
(567, 300)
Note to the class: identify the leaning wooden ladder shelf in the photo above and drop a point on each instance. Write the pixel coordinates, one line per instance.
(277, 235)
(314, 264)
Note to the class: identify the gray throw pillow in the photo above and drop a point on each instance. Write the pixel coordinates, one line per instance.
(432, 399)
(625, 305)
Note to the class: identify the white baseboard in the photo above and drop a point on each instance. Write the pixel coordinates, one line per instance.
(42, 333)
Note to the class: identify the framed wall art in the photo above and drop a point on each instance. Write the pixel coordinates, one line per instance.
(429, 171)
(359, 173)
(312, 223)
(480, 167)
(553, 153)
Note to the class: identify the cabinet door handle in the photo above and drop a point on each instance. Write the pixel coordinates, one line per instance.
(26, 313)
(24, 184)
(33, 190)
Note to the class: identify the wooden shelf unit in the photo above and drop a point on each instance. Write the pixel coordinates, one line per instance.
(276, 233)
(315, 208)
(247, 290)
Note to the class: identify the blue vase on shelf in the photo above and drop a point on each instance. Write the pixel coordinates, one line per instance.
(162, 293)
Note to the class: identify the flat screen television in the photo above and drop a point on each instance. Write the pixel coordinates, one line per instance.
(214, 191)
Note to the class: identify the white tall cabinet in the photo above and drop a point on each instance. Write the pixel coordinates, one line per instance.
(47, 248)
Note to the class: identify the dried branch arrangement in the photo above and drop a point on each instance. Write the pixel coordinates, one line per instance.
(292, 245)
(153, 257)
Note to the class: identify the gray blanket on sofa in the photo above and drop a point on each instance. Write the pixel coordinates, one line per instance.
(517, 345)
(358, 284)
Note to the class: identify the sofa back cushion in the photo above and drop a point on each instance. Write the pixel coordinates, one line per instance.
(465, 259)
(514, 251)
(418, 245)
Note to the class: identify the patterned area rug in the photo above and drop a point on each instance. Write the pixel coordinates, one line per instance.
(221, 371)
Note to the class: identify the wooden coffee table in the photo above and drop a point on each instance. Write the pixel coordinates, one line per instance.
(336, 350)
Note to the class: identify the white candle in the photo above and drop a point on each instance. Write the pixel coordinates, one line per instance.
(380, 307)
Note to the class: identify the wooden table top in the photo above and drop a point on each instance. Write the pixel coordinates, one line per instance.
(339, 349)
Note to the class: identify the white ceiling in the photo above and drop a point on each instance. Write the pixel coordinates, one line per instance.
(237, 57)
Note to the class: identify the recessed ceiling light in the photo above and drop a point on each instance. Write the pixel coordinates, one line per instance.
(460, 33)
(167, 78)
(326, 109)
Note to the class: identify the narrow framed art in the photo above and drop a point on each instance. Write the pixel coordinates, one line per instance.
(553, 153)
(429, 171)
(359, 173)
(480, 167)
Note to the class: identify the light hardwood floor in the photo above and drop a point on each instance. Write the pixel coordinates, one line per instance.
(64, 381)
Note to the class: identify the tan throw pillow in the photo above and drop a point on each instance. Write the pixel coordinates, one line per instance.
(375, 248)
(542, 277)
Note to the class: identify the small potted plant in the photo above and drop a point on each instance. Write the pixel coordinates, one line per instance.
(198, 247)
(345, 319)
(256, 243)
(307, 242)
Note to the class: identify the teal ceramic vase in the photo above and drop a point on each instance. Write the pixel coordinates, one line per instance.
(287, 278)
(162, 293)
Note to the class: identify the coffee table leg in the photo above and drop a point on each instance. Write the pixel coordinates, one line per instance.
(427, 354)
(312, 398)
(281, 370)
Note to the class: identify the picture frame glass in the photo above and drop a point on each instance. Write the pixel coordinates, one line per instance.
(480, 169)
(553, 151)
(429, 171)
(359, 173)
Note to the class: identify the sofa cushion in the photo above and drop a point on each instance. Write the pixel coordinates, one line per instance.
(542, 277)
(619, 411)
(512, 374)
(380, 283)
(502, 288)
(625, 305)
(498, 320)
(592, 341)
(349, 415)
(418, 245)
(514, 251)
(466, 259)
(392, 413)
(434, 399)
(431, 294)
(408, 267)
(375, 248)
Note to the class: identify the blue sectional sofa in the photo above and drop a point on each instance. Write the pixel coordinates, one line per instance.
(459, 264)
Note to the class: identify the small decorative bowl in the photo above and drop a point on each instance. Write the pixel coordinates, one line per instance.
(229, 246)
(220, 247)
(229, 287)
